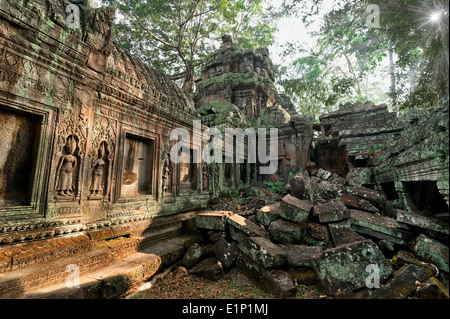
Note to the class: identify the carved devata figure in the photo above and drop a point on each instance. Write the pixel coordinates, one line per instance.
(97, 187)
(66, 168)
(167, 174)
(205, 177)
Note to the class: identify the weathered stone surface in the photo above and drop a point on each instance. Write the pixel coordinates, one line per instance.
(423, 223)
(192, 256)
(295, 209)
(432, 289)
(208, 268)
(433, 251)
(371, 195)
(403, 283)
(345, 267)
(246, 226)
(276, 282)
(357, 203)
(284, 232)
(268, 214)
(330, 212)
(300, 255)
(379, 227)
(342, 233)
(263, 252)
(225, 252)
(215, 236)
(318, 231)
(403, 258)
(300, 186)
(212, 220)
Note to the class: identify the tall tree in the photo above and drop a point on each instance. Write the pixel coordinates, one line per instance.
(412, 33)
(174, 36)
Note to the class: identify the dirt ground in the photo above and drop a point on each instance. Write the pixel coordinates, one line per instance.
(234, 285)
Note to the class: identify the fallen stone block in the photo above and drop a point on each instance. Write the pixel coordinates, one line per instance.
(214, 236)
(379, 227)
(318, 231)
(193, 255)
(268, 214)
(213, 220)
(331, 212)
(357, 203)
(263, 252)
(247, 227)
(434, 227)
(431, 250)
(208, 268)
(322, 174)
(276, 282)
(342, 233)
(300, 186)
(226, 253)
(403, 258)
(371, 195)
(300, 256)
(403, 283)
(348, 267)
(432, 289)
(284, 232)
(294, 209)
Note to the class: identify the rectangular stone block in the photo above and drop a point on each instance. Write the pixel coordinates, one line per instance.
(433, 251)
(268, 214)
(403, 282)
(286, 232)
(379, 227)
(246, 226)
(424, 223)
(294, 209)
(330, 212)
(344, 268)
(300, 256)
(276, 282)
(342, 233)
(212, 220)
(263, 252)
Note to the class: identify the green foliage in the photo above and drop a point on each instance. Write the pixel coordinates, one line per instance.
(276, 187)
(416, 46)
(175, 36)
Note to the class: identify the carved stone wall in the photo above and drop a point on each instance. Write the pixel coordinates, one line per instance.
(85, 127)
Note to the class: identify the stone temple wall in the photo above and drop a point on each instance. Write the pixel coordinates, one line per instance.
(85, 130)
(237, 90)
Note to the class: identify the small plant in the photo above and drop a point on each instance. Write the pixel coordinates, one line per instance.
(276, 187)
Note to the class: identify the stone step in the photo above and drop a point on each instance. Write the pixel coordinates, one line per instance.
(95, 274)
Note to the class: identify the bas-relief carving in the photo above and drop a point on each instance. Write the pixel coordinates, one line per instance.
(167, 175)
(103, 154)
(99, 28)
(66, 168)
(71, 142)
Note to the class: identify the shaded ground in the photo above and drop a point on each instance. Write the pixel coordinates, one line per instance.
(234, 285)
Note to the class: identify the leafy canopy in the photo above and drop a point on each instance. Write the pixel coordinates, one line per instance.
(175, 36)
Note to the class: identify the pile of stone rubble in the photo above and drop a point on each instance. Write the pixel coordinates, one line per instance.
(344, 239)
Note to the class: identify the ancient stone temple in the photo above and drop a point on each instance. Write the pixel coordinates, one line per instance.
(237, 90)
(89, 188)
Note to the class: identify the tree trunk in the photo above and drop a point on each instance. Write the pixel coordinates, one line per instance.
(393, 87)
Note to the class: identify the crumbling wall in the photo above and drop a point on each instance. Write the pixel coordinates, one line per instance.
(85, 129)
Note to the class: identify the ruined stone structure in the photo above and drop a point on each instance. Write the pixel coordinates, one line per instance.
(237, 90)
(87, 181)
